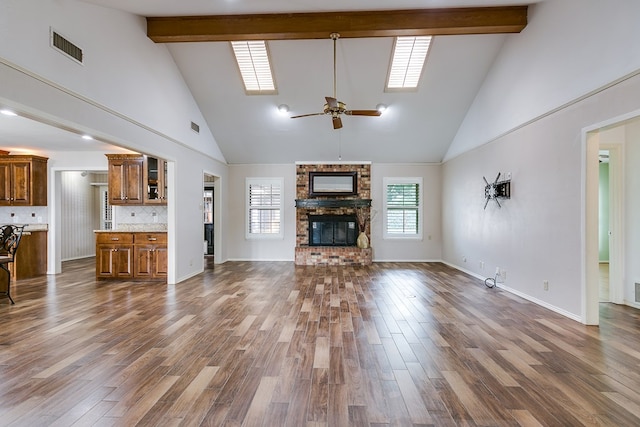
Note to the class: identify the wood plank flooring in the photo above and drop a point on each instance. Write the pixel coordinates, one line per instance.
(272, 344)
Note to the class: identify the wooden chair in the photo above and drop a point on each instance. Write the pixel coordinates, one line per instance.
(10, 236)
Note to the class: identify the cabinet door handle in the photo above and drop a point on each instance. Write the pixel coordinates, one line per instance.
(152, 239)
(115, 238)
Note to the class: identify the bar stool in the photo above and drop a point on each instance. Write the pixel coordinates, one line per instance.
(10, 236)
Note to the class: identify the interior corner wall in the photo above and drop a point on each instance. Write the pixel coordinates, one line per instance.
(537, 235)
(399, 250)
(239, 248)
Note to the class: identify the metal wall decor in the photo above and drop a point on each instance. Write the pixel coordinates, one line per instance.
(496, 190)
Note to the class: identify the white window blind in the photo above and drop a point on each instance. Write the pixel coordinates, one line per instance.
(264, 201)
(403, 207)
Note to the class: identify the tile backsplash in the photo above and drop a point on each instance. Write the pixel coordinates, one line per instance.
(24, 214)
(139, 215)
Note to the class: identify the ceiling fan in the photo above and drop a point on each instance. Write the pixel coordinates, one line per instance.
(334, 107)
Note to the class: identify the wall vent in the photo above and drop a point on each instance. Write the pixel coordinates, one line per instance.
(64, 46)
(637, 292)
(195, 127)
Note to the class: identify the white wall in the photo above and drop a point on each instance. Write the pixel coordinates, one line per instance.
(145, 107)
(426, 249)
(538, 233)
(429, 247)
(241, 248)
(574, 66)
(569, 48)
(123, 69)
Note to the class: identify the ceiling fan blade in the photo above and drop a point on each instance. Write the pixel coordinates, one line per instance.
(307, 115)
(363, 112)
(337, 123)
(331, 102)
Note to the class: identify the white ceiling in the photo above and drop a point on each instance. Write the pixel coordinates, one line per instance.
(417, 127)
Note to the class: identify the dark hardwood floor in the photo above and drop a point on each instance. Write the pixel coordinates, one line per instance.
(271, 344)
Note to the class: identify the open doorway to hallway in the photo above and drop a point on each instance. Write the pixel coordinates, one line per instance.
(208, 208)
(604, 231)
(611, 197)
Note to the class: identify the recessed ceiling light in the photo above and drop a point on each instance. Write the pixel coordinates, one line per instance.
(381, 108)
(87, 137)
(283, 108)
(8, 112)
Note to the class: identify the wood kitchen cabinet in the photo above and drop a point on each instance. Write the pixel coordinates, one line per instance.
(131, 255)
(150, 256)
(114, 256)
(125, 179)
(23, 180)
(135, 179)
(155, 181)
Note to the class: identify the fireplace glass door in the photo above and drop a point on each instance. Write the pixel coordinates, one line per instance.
(332, 230)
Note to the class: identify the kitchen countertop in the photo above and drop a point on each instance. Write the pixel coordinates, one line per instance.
(137, 228)
(33, 227)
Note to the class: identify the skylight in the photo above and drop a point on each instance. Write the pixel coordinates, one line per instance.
(253, 61)
(409, 54)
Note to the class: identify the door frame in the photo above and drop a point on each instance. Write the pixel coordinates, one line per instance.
(590, 218)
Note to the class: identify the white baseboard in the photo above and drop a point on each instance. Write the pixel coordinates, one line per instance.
(521, 295)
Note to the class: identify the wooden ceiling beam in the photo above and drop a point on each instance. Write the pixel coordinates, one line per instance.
(381, 23)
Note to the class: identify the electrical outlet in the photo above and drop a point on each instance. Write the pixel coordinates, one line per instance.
(545, 284)
(503, 274)
(464, 259)
(481, 265)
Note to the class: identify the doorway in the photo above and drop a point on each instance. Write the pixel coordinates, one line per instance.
(209, 219)
(604, 215)
(604, 230)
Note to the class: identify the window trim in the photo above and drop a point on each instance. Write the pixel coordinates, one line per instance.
(264, 181)
(386, 181)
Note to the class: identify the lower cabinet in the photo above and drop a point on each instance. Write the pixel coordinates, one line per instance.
(151, 256)
(131, 256)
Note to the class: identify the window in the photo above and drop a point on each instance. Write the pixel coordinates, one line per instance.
(409, 54)
(264, 207)
(253, 62)
(403, 208)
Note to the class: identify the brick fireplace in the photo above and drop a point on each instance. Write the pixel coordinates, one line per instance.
(333, 206)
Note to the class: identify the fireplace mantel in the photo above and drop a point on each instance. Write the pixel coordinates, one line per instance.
(332, 203)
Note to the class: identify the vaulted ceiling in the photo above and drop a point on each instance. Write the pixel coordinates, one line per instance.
(417, 127)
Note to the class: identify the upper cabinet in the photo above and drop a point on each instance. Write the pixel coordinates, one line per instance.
(23, 180)
(135, 179)
(155, 177)
(125, 179)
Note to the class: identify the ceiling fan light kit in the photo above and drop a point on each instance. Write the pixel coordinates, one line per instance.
(336, 108)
